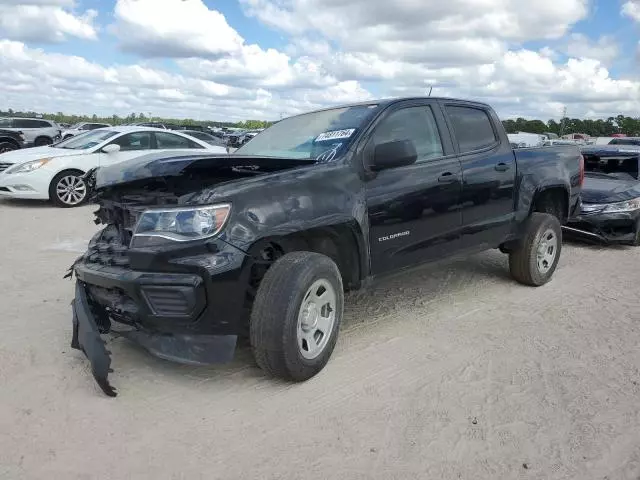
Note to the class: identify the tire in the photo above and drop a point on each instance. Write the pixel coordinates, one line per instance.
(277, 327)
(531, 263)
(42, 141)
(68, 177)
(7, 147)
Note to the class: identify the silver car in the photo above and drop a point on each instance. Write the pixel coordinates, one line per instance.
(37, 131)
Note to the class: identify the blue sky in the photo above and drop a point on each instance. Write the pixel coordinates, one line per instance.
(264, 58)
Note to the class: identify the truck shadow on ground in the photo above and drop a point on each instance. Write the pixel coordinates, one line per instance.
(415, 289)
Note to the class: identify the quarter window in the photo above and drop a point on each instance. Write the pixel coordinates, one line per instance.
(472, 127)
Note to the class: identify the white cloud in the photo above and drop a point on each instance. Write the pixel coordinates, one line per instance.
(605, 49)
(631, 9)
(422, 30)
(45, 21)
(173, 28)
(53, 82)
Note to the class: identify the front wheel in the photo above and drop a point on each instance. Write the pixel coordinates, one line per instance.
(535, 259)
(296, 316)
(68, 189)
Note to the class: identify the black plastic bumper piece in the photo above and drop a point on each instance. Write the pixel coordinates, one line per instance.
(86, 337)
(185, 349)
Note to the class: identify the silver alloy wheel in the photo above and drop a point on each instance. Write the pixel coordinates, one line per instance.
(316, 319)
(547, 251)
(71, 190)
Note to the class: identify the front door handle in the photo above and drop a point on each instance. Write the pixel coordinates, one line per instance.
(447, 177)
(502, 167)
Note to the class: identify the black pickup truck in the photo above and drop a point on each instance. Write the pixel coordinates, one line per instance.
(199, 250)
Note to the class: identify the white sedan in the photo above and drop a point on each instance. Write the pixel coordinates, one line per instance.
(55, 172)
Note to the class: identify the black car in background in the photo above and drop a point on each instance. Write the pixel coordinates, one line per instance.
(205, 137)
(10, 140)
(610, 210)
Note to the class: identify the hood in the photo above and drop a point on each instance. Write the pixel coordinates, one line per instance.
(157, 165)
(36, 153)
(601, 188)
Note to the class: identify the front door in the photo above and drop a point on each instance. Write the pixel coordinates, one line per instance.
(413, 210)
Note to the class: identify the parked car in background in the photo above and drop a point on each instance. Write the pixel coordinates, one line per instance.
(37, 132)
(196, 252)
(238, 139)
(610, 211)
(10, 140)
(523, 139)
(56, 172)
(625, 141)
(205, 137)
(81, 128)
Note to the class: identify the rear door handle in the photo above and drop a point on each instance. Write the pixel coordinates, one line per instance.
(447, 177)
(502, 167)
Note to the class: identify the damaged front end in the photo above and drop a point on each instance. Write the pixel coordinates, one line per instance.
(162, 272)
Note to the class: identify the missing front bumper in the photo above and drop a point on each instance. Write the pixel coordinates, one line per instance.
(181, 348)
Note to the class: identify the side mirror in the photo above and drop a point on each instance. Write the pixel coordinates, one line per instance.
(111, 148)
(397, 153)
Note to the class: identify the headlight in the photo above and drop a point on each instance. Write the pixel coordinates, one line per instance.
(180, 224)
(28, 166)
(619, 207)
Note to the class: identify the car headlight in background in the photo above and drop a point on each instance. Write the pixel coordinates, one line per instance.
(28, 166)
(180, 224)
(618, 207)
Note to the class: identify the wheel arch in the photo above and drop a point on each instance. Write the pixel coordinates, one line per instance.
(553, 199)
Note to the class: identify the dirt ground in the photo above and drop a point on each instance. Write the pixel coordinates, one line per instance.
(452, 371)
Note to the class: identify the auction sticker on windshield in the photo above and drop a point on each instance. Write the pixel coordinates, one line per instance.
(335, 134)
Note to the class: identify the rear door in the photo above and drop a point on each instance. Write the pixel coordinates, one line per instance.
(29, 128)
(488, 173)
(413, 210)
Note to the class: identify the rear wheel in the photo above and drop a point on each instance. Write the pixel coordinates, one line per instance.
(68, 189)
(7, 147)
(535, 259)
(296, 316)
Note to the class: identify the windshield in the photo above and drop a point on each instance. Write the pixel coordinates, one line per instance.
(87, 140)
(319, 135)
(75, 126)
(5, 123)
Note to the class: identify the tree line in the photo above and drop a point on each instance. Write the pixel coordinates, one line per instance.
(595, 128)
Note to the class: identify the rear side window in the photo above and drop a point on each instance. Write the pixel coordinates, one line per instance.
(26, 123)
(472, 128)
(169, 141)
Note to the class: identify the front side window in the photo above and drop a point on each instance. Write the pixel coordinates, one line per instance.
(416, 124)
(472, 127)
(86, 140)
(171, 141)
(6, 123)
(134, 141)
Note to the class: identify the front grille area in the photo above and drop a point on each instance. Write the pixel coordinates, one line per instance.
(109, 249)
(4, 166)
